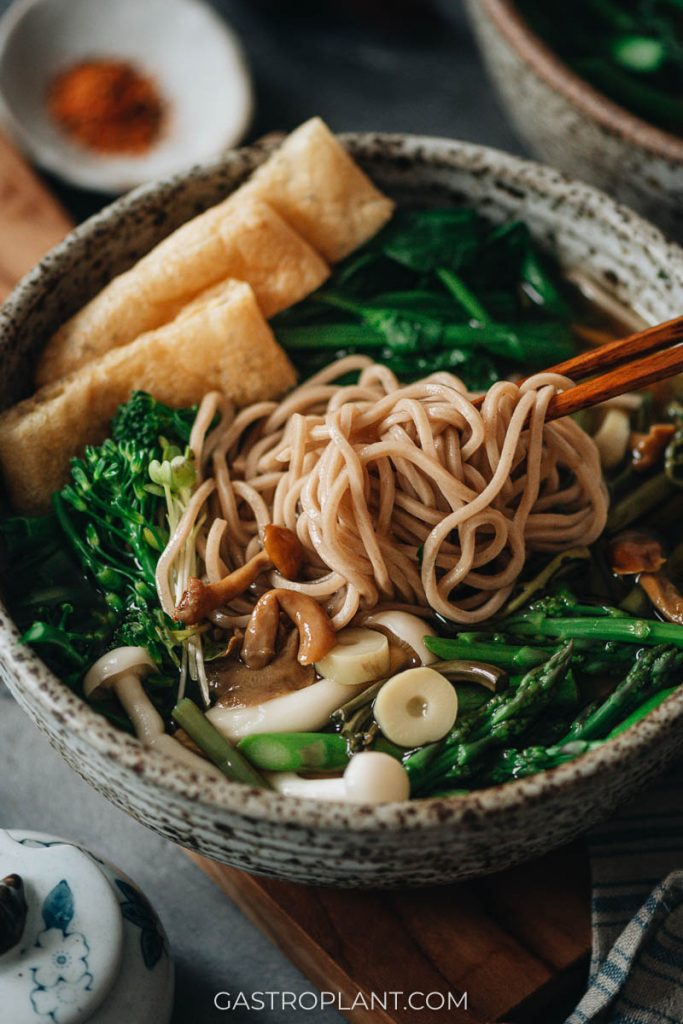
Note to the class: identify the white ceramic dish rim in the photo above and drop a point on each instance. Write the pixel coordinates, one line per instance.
(550, 67)
(68, 169)
(160, 771)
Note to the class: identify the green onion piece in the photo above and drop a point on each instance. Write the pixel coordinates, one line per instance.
(295, 751)
(642, 54)
(198, 727)
(649, 495)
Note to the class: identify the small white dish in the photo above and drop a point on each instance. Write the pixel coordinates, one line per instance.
(193, 57)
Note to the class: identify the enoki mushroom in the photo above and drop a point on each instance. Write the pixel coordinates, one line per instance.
(402, 496)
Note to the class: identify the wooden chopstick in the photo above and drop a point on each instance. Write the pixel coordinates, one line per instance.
(629, 377)
(615, 353)
(661, 355)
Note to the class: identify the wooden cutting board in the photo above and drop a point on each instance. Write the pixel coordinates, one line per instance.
(514, 942)
(517, 943)
(31, 220)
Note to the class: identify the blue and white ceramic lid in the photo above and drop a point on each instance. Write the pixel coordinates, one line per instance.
(61, 931)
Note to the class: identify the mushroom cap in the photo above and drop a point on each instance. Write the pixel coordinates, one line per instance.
(101, 676)
(284, 549)
(374, 777)
(633, 552)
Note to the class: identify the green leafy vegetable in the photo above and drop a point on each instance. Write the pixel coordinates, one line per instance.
(437, 290)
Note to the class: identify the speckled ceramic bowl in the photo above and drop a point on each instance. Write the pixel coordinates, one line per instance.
(423, 842)
(573, 126)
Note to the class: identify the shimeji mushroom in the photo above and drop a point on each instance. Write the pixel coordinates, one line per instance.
(316, 632)
(415, 707)
(647, 449)
(281, 550)
(119, 673)
(371, 777)
(634, 553)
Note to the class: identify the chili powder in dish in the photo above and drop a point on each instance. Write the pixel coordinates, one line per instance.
(107, 105)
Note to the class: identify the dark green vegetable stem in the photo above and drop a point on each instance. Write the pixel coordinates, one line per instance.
(233, 765)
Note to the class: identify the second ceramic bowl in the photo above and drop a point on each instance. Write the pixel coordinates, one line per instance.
(420, 842)
(572, 126)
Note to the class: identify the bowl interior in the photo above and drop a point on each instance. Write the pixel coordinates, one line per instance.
(188, 51)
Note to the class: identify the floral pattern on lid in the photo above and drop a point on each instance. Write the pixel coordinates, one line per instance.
(62, 979)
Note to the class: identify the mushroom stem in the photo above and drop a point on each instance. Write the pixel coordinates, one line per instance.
(200, 599)
(306, 710)
(316, 633)
(119, 672)
(148, 723)
(145, 718)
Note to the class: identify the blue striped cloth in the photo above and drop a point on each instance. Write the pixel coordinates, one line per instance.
(636, 973)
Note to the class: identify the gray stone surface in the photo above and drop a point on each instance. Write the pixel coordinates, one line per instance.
(416, 73)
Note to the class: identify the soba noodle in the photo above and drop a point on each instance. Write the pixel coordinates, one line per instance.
(402, 495)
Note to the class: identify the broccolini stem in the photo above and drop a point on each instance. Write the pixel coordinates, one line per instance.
(623, 630)
(44, 633)
(109, 579)
(504, 656)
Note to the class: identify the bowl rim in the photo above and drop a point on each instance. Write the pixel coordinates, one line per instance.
(33, 683)
(58, 162)
(551, 69)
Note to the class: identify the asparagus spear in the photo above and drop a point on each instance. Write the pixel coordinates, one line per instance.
(515, 764)
(623, 630)
(504, 718)
(645, 708)
(656, 670)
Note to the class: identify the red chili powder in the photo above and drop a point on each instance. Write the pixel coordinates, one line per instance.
(107, 105)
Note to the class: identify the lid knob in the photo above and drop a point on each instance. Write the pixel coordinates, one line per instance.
(13, 911)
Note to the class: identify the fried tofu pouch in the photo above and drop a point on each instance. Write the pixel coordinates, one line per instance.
(247, 241)
(221, 342)
(321, 191)
(308, 205)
